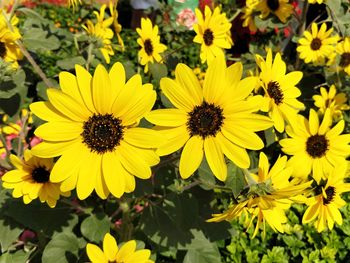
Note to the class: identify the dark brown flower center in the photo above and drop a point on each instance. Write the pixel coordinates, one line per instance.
(40, 175)
(148, 47)
(316, 43)
(273, 4)
(2, 50)
(205, 120)
(208, 37)
(102, 133)
(345, 60)
(330, 192)
(275, 92)
(317, 146)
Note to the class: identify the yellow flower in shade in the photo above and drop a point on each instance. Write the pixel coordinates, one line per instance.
(104, 36)
(315, 147)
(317, 45)
(213, 33)
(126, 253)
(31, 179)
(280, 90)
(280, 8)
(316, 1)
(216, 119)
(116, 25)
(248, 14)
(270, 194)
(9, 51)
(92, 125)
(336, 103)
(343, 49)
(149, 41)
(324, 207)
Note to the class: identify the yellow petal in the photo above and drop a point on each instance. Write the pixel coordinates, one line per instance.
(167, 117)
(113, 173)
(59, 131)
(191, 156)
(127, 249)
(85, 86)
(110, 247)
(142, 137)
(215, 158)
(95, 254)
(103, 95)
(45, 111)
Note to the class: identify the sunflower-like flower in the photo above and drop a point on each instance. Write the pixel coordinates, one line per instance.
(103, 35)
(316, 148)
(31, 179)
(343, 49)
(324, 207)
(9, 50)
(318, 45)
(280, 90)
(216, 119)
(149, 41)
(127, 253)
(335, 102)
(92, 125)
(270, 193)
(248, 14)
(213, 33)
(280, 8)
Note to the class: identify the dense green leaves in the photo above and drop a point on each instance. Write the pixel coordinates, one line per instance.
(95, 227)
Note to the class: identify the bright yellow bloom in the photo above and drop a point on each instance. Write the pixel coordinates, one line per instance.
(31, 179)
(280, 8)
(149, 41)
(92, 125)
(316, 1)
(216, 119)
(74, 3)
(248, 14)
(280, 90)
(316, 148)
(127, 253)
(325, 206)
(270, 194)
(213, 33)
(336, 103)
(103, 35)
(9, 51)
(343, 49)
(317, 45)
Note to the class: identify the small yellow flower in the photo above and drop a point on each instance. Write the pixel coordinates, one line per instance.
(316, 1)
(117, 27)
(318, 45)
(74, 3)
(248, 14)
(149, 40)
(324, 207)
(126, 253)
(270, 194)
(280, 8)
(343, 49)
(9, 51)
(335, 102)
(31, 179)
(213, 33)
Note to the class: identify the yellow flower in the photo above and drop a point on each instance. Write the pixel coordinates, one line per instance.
(336, 103)
(9, 51)
(149, 41)
(317, 148)
(343, 49)
(280, 8)
(31, 180)
(248, 14)
(92, 125)
(216, 119)
(325, 206)
(280, 90)
(74, 3)
(213, 33)
(127, 253)
(116, 25)
(317, 45)
(104, 35)
(270, 194)
(316, 1)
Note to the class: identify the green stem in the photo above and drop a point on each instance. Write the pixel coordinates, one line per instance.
(90, 56)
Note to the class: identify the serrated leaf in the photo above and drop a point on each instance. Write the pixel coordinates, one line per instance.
(95, 227)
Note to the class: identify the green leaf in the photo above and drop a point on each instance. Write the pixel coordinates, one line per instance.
(9, 232)
(235, 178)
(63, 248)
(17, 257)
(95, 227)
(36, 39)
(202, 250)
(69, 63)
(158, 70)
